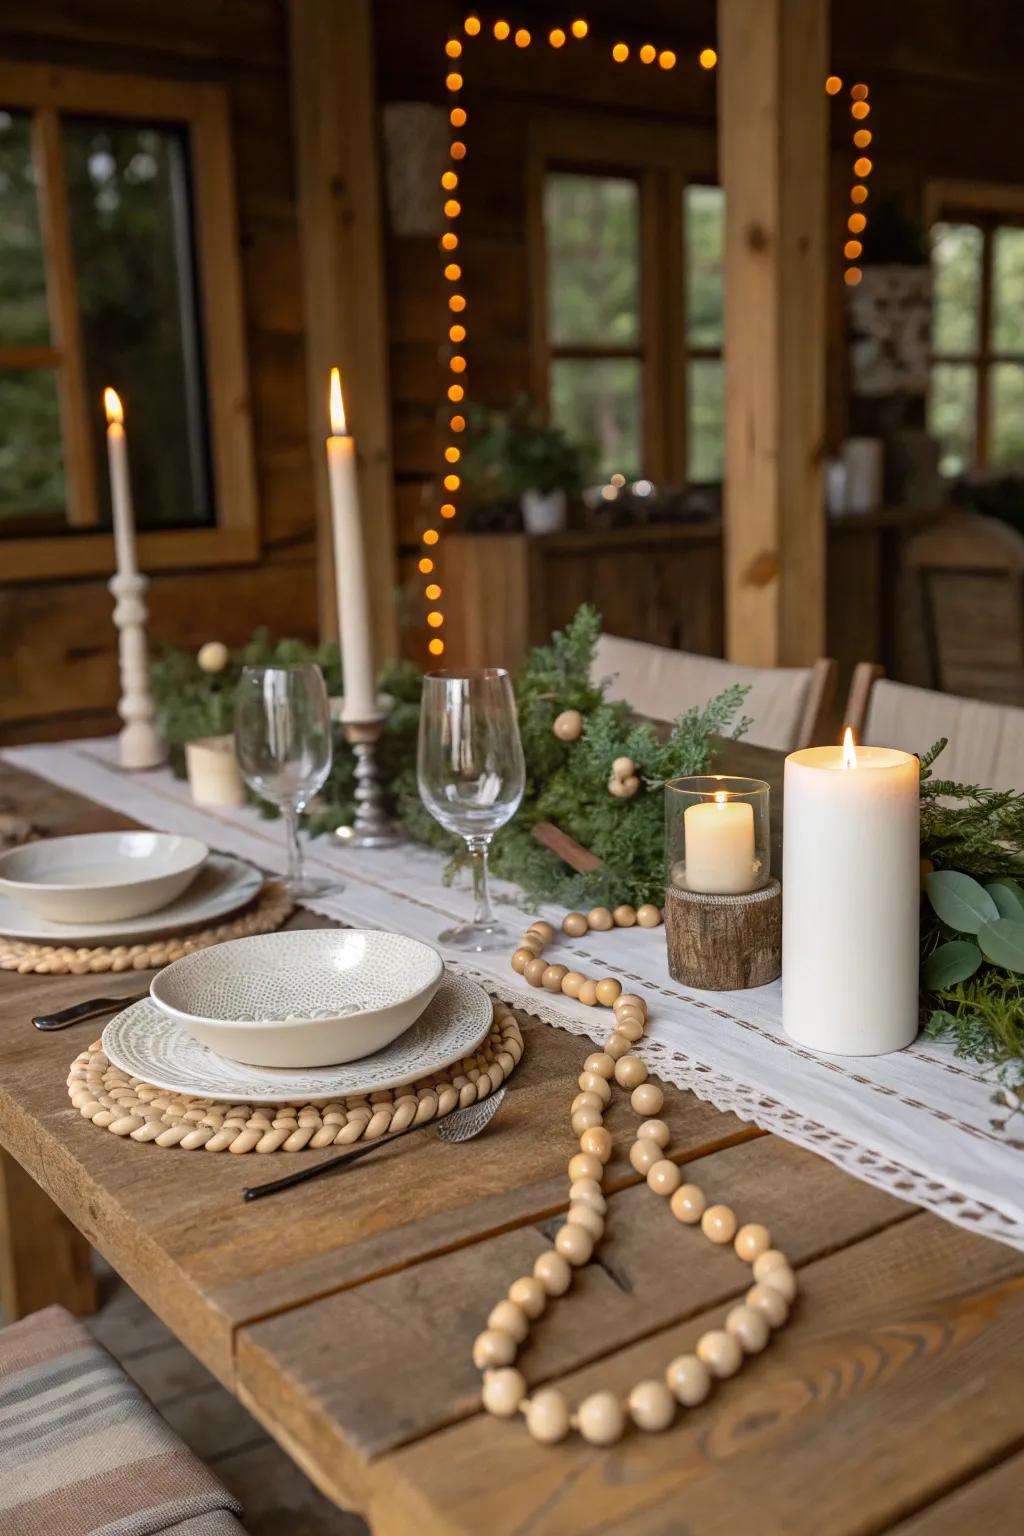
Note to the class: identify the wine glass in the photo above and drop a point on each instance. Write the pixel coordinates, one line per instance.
(283, 744)
(471, 777)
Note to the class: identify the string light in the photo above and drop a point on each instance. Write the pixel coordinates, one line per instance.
(708, 58)
(648, 53)
(453, 48)
(556, 37)
(458, 423)
(579, 28)
(667, 59)
(858, 92)
(501, 30)
(426, 566)
(455, 392)
(432, 591)
(858, 194)
(454, 81)
(453, 272)
(449, 181)
(856, 223)
(449, 240)
(852, 276)
(457, 150)
(456, 333)
(862, 166)
(472, 26)
(833, 85)
(431, 536)
(448, 509)
(852, 249)
(862, 138)
(456, 303)
(436, 646)
(522, 38)
(452, 208)
(452, 482)
(435, 619)
(457, 364)
(452, 455)
(860, 110)
(620, 53)
(457, 117)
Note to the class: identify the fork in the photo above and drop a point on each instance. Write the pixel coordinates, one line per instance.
(461, 1125)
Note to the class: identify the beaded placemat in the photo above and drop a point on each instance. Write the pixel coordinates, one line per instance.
(270, 911)
(130, 1108)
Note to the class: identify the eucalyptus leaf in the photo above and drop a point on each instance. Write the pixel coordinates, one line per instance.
(961, 903)
(1002, 942)
(949, 964)
(1009, 898)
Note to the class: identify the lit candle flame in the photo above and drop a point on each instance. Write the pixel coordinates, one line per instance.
(112, 405)
(339, 425)
(720, 797)
(849, 750)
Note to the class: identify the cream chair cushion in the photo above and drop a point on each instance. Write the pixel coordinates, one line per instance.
(986, 741)
(662, 684)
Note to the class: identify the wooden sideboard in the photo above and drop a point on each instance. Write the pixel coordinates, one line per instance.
(662, 584)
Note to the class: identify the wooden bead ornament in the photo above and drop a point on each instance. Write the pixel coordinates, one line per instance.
(576, 924)
(651, 1405)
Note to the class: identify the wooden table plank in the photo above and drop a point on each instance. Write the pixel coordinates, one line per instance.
(426, 1316)
(898, 1376)
(989, 1505)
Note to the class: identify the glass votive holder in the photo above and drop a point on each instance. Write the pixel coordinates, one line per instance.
(717, 834)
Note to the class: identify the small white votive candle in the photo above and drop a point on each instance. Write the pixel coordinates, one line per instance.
(851, 899)
(719, 840)
(213, 773)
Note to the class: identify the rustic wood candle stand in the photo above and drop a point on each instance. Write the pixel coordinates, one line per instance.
(724, 943)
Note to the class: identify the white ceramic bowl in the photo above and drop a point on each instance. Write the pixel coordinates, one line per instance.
(309, 998)
(100, 877)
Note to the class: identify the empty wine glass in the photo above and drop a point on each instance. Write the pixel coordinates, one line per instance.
(471, 778)
(283, 744)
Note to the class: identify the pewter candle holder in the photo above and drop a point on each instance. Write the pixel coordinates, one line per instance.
(372, 828)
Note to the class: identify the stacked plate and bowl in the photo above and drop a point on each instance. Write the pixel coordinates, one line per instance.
(304, 1014)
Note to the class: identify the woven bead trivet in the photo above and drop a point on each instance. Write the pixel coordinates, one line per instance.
(129, 1107)
(272, 909)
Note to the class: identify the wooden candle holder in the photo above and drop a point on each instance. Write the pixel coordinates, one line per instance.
(724, 943)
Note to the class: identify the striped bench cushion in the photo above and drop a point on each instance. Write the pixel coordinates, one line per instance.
(84, 1453)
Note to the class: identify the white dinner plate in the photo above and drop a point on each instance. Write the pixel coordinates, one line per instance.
(223, 885)
(146, 1043)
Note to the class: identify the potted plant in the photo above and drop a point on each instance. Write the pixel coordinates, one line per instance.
(512, 455)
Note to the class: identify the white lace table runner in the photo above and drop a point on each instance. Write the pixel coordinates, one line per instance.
(918, 1123)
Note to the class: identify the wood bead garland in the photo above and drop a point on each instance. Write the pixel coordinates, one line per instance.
(601, 920)
(651, 1405)
(529, 963)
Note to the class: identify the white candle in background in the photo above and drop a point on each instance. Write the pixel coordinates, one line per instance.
(851, 899)
(719, 846)
(360, 703)
(120, 485)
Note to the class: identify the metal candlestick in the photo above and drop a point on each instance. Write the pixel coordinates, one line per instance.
(372, 827)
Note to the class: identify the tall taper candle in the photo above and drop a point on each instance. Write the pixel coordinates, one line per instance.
(360, 702)
(120, 485)
(851, 899)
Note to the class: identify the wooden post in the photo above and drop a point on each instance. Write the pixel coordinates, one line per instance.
(774, 157)
(43, 1258)
(338, 176)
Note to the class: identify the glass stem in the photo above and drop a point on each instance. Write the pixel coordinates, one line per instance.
(478, 851)
(291, 830)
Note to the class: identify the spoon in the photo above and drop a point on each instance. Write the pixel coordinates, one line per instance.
(461, 1125)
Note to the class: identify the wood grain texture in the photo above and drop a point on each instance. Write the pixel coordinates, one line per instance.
(43, 1258)
(724, 943)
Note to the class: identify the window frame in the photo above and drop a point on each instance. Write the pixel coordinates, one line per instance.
(202, 110)
(663, 159)
(988, 207)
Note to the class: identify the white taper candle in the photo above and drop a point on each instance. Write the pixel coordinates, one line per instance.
(360, 702)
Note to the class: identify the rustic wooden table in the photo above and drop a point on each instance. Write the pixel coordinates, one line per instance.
(342, 1313)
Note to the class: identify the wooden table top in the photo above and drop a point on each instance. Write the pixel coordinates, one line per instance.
(342, 1313)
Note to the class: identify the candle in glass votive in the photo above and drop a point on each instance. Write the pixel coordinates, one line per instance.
(719, 841)
(851, 899)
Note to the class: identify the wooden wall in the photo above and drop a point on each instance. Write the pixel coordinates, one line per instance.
(57, 646)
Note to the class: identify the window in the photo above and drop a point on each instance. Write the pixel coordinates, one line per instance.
(627, 264)
(976, 394)
(118, 219)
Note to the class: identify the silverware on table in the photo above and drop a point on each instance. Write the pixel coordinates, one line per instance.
(87, 1010)
(461, 1125)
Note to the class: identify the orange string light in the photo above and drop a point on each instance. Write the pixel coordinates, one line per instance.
(456, 333)
(472, 26)
(620, 53)
(860, 110)
(452, 455)
(856, 223)
(522, 38)
(456, 392)
(457, 117)
(667, 59)
(449, 181)
(648, 53)
(435, 619)
(501, 30)
(426, 566)
(447, 509)
(579, 28)
(436, 647)
(862, 166)
(858, 194)
(852, 249)
(457, 150)
(432, 591)
(453, 272)
(858, 92)
(833, 85)
(431, 536)
(453, 48)
(708, 58)
(852, 276)
(458, 423)
(456, 303)
(556, 37)
(454, 81)
(449, 240)
(452, 208)
(862, 138)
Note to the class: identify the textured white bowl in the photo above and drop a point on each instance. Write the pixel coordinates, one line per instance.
(100, 877)
(309, 998)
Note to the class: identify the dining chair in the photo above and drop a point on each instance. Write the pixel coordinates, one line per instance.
(83, 1449)
(969, 572)
(785, 704)
(986, 741)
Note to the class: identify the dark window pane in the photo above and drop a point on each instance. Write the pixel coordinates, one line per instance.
(704, 226)
(31, 460)
(706, 451)
(1008, 290)
(956, 292)
(598, 403)
(591, 227)
(1006, 397)
(24, 321)
(131, 225)
(951, 405)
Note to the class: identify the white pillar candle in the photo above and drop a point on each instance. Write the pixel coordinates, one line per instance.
(360, 703)
(851, 899)
(214, 776)
(120, 485)
(719, 846)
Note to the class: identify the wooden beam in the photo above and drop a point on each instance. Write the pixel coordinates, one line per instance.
(774, 145)
(338, 176)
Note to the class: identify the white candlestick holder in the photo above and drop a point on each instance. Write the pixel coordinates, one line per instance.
(139, 744)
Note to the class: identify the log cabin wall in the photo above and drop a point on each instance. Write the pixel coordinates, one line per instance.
(58, 664)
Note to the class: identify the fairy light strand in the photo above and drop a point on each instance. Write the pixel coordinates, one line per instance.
(574, 31)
